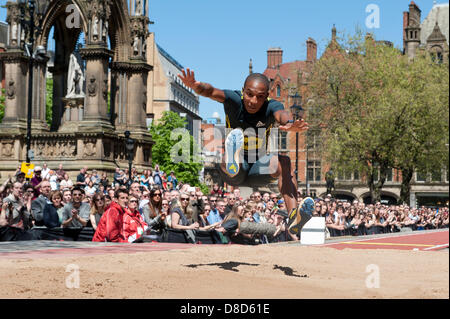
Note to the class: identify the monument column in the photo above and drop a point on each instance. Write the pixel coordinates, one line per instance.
(16, 70)
(96, 101)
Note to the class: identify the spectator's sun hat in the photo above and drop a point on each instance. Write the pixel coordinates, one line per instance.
(38, 169)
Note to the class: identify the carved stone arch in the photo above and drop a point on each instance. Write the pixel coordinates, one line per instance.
(56, 9)
(119, 30)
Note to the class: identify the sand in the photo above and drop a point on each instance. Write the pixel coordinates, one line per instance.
(260, 273)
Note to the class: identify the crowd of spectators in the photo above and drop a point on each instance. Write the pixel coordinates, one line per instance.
(151, 203)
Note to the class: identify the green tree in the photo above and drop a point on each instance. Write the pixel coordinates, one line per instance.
(371, 102)
(175, 150)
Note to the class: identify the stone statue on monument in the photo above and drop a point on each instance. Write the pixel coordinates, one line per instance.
(75, 78)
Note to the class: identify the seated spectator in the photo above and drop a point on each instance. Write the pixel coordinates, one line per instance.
(90, 188)
(66, 182)
(60, 172)
(95, 178)
(67, 196)
(53, 179)
(51, 216)
(110, 227)
(146, 179)
(181, 215)
(15, 216)
(16, 212)
(81, 178)
(104, 181)
(76, 213)
(134, 225)
(97, 209)
(45, 172)
(154, 206)
(37, 206)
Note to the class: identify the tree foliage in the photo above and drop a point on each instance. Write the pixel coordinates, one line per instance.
(379, 111)
(175, 149)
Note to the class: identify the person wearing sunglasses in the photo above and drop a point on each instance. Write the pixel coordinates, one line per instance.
(76, 213)
(154, 205)
(181, 214)
(134, 226)
(110, 227)
(97, 209)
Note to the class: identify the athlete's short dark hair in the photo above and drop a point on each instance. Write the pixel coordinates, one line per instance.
(258, 77)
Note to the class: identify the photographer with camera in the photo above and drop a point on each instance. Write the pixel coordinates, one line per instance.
(15, 216)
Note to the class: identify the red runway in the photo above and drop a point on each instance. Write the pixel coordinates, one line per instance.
(404, 241)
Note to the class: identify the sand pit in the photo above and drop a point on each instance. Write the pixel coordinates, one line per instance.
(207, 272)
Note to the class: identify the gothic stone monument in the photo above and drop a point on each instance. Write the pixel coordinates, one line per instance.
(83, 132)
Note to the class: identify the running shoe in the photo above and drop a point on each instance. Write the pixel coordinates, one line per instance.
(301, 215)
(233, 145)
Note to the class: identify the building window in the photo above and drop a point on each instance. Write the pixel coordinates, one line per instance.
(314, 171)
(278, 91)
(389, 175)
(282, 140)
(421, 176)
(436, 175)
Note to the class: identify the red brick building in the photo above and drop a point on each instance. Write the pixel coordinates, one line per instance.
(289, 85)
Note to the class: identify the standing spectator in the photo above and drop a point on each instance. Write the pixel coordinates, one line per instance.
(37, 178)
(51, 216)
(81, 178)
(66, 182)
(97, 209)
(45, 171)
(37, 206)
(60, 172)
(173, 179)
(110, 227)
(29, 191)
(20, 177)
(157, 176)
(216, 190)
(76, 213)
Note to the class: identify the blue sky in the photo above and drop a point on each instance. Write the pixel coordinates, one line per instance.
(217, 38)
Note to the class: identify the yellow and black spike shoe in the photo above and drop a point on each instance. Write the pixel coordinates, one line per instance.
(301, 215)
(233, 146)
